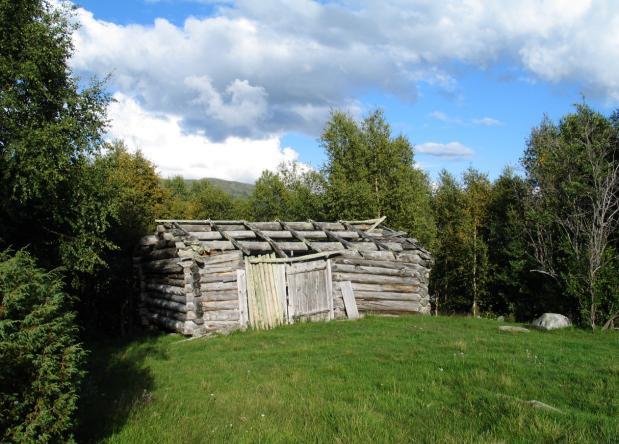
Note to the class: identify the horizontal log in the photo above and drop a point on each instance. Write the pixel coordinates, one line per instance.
(227, 276)
(221, 315)
(163, 266)
(375, 279)
(170, 314)
(223, 267)
(231, 227)
(195, 227)
(221, 258)
(384, 271)
(378, 255)
(169, 324)
(376, 263)
(363, 246)
(389, 306)
(282, 234)
(166, 297)
(328, 246)
(220, 305)
(163, 279)
(225, 295)
(412, 258)
(383, 295)
(216, 235)
(166, 304)
(221, 325)
(396, 288)
(157, 277)
(218, 286)
(169, 289)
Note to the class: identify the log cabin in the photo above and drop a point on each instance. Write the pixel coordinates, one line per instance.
(214, 276)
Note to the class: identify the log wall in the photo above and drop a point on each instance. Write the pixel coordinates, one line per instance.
(188, 271)
(383, 282)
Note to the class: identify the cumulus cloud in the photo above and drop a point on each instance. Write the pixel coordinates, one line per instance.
(450, 151)
(487, 121)
(229, 85)
(439, 115)
(162, 140)
(259, 68)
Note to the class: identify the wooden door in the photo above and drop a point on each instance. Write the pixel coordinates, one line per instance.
(309, 291)
(266, 293)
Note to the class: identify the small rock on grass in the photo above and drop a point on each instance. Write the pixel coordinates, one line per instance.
(513, 329)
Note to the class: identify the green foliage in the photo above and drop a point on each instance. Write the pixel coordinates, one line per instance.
(50, 197)
(450, 251)
(290, 194)
(269, 199)
(41, 358)
(137, 194)
(370, 174)
(572, 168)
(199, 199)
(305, 192)
(135, 197)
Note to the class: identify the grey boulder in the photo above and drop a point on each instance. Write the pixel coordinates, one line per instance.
(551, 321)
(513, 329)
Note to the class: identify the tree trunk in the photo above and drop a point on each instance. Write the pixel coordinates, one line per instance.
(475, 272)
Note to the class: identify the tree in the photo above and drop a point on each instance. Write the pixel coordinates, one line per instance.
(512, 288)
(177, 200)
(41, 357)
(476, 194)
(211, 202)
(370, 174)
(573, 171)
(51, 199)
(450, 252)
(305, 197)
(268, 201)
(135, 197)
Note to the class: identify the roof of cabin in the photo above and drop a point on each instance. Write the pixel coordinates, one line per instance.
(291, 238)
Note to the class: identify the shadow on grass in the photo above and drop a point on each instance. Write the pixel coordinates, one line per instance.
(118, 383)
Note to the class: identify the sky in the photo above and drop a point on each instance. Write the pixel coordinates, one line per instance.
(227, 89)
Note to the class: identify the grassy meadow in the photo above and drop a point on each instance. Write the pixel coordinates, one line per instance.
(379, 379)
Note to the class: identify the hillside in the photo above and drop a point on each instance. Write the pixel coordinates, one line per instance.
(234, 188)
(407, 379)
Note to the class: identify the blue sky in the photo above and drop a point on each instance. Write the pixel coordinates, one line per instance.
(237, 88)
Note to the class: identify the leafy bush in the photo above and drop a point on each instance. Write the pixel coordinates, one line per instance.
(41, 358)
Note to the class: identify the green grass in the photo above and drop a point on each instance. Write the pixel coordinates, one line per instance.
(408, 379)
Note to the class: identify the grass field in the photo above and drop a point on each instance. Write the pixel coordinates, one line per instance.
(409, 379)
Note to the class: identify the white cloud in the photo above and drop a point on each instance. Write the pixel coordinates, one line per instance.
(487, 121)
(438, 115)
(254, 70)
(192, 155)
(441, 116)
(259, 68)
(450, 151)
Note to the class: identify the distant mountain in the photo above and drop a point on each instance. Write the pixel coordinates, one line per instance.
(236, 189)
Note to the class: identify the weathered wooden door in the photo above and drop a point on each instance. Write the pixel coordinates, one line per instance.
(266, 293)
(273, 292)
(309, 291)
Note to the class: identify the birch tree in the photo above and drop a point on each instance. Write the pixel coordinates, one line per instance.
(573, 173)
